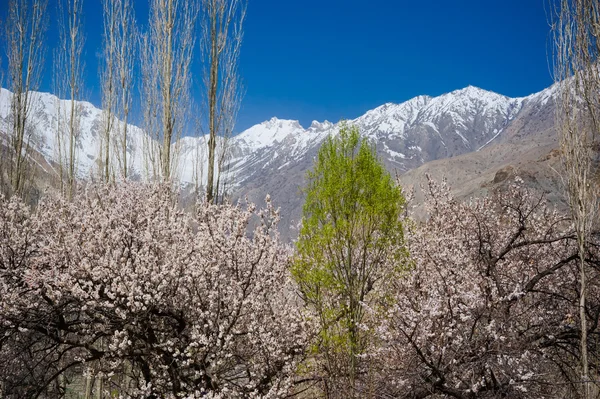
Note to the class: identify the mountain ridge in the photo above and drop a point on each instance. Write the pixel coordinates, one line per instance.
(274, 155)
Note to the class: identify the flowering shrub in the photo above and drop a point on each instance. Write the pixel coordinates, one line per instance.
(121, 285)
(488, 307)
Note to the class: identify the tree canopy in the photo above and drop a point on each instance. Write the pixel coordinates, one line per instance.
(348, 244)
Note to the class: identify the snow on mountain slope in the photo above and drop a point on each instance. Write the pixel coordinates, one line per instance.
(45, 112)
(406, 135)
(270, 132)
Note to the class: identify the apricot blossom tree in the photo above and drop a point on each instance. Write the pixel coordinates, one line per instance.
(122, 285)
(489, 307)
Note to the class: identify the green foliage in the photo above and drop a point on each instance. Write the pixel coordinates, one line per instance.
(350, 243)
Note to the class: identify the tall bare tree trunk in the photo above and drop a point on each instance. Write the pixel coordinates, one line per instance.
(576, 31)
(58, 134)
(166, 58)
(111, 17)
(126, 50)
(70, 78)
(221, 43)
(150, 107)
(24, 31)
(199, 153)
(212, 100)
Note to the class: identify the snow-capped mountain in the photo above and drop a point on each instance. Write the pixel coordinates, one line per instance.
(45, 112)
(273, 156)
(406, 135)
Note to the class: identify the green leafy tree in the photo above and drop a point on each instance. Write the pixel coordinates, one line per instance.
(350, 245)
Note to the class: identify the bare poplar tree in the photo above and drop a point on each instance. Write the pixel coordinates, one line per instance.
(150, 111)
(576, 31)
(198, 152)
(230, 106)
(126, 54)
(221, 43)
(108, 85)
(24, 36)
(70, 78)
(59, 133)
(167, 49)
(117, 80)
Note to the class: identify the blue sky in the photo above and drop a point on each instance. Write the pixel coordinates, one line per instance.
(316, 59)
(333, 59)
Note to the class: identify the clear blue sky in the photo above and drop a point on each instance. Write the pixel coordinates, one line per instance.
(333, 59)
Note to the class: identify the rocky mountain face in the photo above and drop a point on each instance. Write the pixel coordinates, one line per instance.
(527, 147)
(475, 138)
